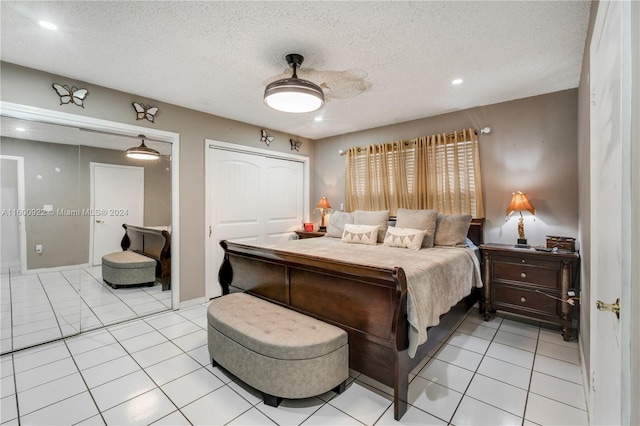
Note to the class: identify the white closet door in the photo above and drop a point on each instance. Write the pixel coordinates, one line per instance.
(253, 199)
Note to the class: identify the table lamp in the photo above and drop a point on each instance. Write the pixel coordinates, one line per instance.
(520, 202)
(324, 207)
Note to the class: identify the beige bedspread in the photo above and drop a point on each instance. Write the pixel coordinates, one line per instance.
(437, 278)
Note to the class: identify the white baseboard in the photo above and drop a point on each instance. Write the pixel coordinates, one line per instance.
(56, 269)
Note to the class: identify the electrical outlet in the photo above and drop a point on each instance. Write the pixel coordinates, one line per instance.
(39, 248)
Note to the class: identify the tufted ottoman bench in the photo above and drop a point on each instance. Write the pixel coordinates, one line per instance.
(125, 268)
(280, 352)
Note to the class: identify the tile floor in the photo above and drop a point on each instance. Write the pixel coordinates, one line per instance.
(42, 307)
(156, 370)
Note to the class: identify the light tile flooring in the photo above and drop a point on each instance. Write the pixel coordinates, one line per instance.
(36, 308)
(157, 370)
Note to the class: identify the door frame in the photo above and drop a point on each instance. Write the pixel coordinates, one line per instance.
(26, 112)
(22, 230)
(634, 297)
(92, 204)
(211, 271)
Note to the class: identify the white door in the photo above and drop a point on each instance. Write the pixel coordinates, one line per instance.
(117, 195)
(611, 220)
(252, 199)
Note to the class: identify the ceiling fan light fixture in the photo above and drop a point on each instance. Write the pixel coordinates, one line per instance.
(294, 94)
(142, 152)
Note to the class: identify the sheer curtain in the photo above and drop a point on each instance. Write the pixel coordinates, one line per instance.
(439, 172)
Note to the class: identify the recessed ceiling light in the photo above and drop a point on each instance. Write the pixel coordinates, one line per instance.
(48, 25)
(457, 81)
(318, 119)
(20, 129)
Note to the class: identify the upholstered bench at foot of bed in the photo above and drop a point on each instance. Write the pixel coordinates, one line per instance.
(280, 352)
(126, 268)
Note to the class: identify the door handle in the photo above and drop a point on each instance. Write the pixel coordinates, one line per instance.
(611, 307)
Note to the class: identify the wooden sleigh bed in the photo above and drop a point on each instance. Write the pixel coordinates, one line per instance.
(369, 303)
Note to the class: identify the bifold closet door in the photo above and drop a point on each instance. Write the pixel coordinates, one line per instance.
(253, 199)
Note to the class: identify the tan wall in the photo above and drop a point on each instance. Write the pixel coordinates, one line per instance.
(31, 87)
(532, 147)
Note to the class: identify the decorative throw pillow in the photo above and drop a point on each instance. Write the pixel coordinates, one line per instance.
(360, 234)
(419, 219)
(378, 217)
(336, 223)
(452, 229)
(404, 238)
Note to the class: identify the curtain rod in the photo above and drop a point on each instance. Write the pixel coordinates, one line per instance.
(484, 130)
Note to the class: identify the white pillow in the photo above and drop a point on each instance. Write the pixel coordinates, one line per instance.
(404, 238)
(360, 234)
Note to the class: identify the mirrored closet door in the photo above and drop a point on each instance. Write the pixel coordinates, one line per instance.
(66, 191)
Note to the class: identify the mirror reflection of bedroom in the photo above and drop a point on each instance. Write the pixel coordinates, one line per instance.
(65, 194)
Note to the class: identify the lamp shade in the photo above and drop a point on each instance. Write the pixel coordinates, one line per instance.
(143, 152)
(520, 202)
(323, 204)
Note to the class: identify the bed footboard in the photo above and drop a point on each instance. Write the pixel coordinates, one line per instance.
(369, 303)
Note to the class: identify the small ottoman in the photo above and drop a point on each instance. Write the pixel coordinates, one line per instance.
(126, 268)
(280, 352)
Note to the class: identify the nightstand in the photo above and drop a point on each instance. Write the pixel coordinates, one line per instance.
(310, 234)
(530, 283)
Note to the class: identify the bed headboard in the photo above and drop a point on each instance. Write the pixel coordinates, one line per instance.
(476, 231)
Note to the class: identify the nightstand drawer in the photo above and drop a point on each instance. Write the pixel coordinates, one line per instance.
(526, 299)
(525, 273)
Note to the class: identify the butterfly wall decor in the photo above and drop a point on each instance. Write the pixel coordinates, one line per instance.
(266, 137)
(145, 111)
(295, 144)
(70, 94)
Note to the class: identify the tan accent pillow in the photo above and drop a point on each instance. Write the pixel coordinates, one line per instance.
(360, 234)
(404, 238)
(378, 217)
(452, 229)
(419, 219)
(336, 223)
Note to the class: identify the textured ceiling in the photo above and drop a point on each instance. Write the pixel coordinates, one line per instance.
(379, 62)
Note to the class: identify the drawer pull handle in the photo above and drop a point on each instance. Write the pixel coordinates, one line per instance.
(523, 274)
(523, 299)
(523, 261)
